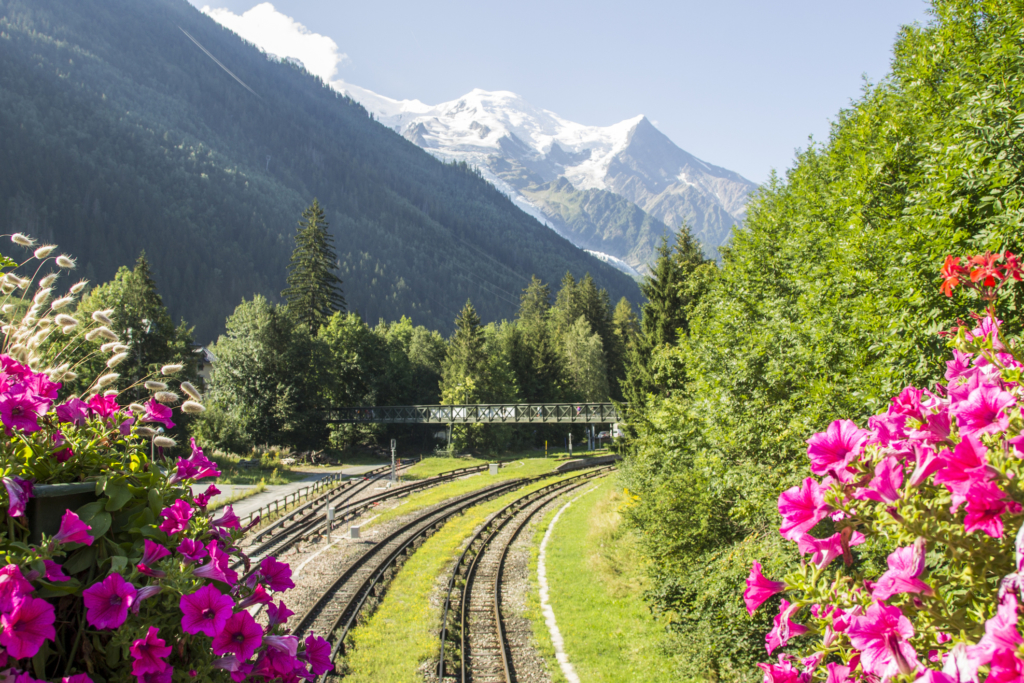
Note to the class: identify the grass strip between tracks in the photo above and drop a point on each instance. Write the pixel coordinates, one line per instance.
(402, 634)
(512, 470)
(596, 591)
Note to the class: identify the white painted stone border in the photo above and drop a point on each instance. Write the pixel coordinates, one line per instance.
(549, 614)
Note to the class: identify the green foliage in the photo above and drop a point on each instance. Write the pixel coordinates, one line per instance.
(314, 291)
(117, 133)
(826, 304)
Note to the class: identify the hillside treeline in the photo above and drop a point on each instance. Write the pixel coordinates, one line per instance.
(274, 376)
(825, 303)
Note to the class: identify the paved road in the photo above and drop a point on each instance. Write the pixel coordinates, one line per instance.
(270, 493)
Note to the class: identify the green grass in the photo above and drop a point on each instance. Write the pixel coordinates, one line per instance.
(233, 473)
(513, 469)
(260, 487)
(596, 584)
(402, 634)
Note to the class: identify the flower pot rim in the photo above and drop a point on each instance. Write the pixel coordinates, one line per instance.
(51, 490)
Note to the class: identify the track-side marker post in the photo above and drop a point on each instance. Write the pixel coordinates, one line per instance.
(330, 521)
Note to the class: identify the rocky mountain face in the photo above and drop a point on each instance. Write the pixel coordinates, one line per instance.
(612, 190)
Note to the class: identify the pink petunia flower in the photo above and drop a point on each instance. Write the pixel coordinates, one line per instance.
(157, 412)
(908, 402)
(73, 530)
(837, 673)
(276, 575)
(239, 670)
(62, 454)
(144, 593)
(935, 429)
(926, 463)
(18, 491)
(984, 411)
(784, 628)
(21, 410)
(801, 508)
(77, 678)
(885, 486)
(103, 406)
(165, 676)
(13, 585)
(881, 636)
(959, 366)
(218, 567)
(258, 596)
(783, 672)
(191, 549)
(833, 449)
(318, 655)
(149, 653)
(277, 614)
(966, 465)
(27, 626)
(228, 520)
(274, 663)
(287, 644)
(107, 602)
(205, 611)
(125, 428)
(75, 411)
(203, 499)
(905, 568)
(54, 572)
(1006, 667)
(152, 553)
(240, 636)
(759, 588)
(176, 517)
(1000, 632)
(986, 505)
(826, 549)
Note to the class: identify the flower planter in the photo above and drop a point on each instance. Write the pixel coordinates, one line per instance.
(49, 502)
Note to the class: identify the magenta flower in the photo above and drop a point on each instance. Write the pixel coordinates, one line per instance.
(984, 411)
(759, 588)
(164, 676)
(144, 593)
(908, 403)
(881, 636)
(62, 454)
(258, 596)
(784, 629)
(205, 611)
(21, 410)
(77, 678)
(13, 585)
(153, 553)
(18, 491)
(826, 549)
(103, 406)
(885, 486)
(107, 602)
(926, 463)
(959, 366)
(966, 465)
(207, 468)
(75, 411)
(191, 550)
(157, 412)
(318, 654)
(833, 449)
(935, 428)
(801, 508)
(203, 499)
(986, 505)
(176, 517)
(988, 327)
(905, 568)
(218, 568)
(277, 614)
(228, 520)
(54, 572)
(783, 672)
(1006, 667)
(1000, 632)
(239, 670)
(277, 575)
(286, 644)
(40, 385)
(73, 530)
(148, 653)
(276, 663)
(126, 427)
(240, 636)
(24, 629)
(887, 429)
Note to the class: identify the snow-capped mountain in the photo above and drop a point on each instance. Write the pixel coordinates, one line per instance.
(614, 190)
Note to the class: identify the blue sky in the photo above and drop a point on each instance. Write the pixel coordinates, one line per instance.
(739, 84)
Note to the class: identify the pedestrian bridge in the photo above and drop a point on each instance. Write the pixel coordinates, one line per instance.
(507, 413)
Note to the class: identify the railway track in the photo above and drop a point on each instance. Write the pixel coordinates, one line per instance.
(336, 611)
(483, 653)
(310, 519)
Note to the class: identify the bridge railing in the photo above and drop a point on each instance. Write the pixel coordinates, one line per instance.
(545, 413)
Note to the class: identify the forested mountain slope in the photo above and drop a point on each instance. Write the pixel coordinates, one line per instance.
(118, 134)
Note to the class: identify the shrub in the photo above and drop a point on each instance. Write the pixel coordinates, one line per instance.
(138, 583)
(936, 479)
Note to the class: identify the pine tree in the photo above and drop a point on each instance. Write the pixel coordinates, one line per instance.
(314, 291)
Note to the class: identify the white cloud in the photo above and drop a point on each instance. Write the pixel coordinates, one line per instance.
(281, 35)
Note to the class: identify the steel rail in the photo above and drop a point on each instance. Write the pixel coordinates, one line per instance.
(314, 524)
(492, 527)
(419, 527)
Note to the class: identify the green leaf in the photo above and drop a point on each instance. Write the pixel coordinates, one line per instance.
(118, 564)
(118, 495)
(113, 656)
(156, 501)
(80, 560)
